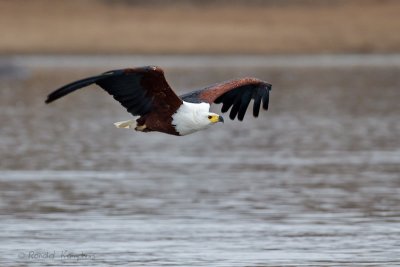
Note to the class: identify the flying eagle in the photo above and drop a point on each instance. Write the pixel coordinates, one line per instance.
(145, 93)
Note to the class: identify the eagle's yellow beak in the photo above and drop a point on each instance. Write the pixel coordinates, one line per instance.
(216, 118)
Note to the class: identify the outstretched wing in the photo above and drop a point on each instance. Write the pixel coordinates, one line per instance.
(236, 94)
(139, 90)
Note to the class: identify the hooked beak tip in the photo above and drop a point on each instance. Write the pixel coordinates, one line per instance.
(220, 119)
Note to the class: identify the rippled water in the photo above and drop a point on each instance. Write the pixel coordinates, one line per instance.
(313, 181)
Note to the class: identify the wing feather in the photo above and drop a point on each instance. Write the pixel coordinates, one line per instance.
(244, 103)
(256, 105)
(235, 108)
(235, 95)
(139, 90)
(265, 99)
(229, 98)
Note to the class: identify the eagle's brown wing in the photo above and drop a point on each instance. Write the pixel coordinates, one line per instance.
(236, 94)
(139, 90)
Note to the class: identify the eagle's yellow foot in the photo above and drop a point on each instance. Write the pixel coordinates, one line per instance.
(141, 128)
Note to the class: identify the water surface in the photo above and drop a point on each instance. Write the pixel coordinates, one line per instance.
(313, 181)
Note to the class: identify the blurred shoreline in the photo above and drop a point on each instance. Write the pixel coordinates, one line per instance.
(196, 27)
(200, 61)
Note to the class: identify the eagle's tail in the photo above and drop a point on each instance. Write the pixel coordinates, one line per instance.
(129, 124)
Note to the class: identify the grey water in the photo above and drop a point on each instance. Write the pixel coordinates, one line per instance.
(314, 181)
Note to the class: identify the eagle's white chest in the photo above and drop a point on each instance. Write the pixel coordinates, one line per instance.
(191, 117)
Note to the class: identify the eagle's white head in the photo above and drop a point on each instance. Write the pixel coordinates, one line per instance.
(193, 117)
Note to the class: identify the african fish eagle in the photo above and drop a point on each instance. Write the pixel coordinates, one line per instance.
(145, 93)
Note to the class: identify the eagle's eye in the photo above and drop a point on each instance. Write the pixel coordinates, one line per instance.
(209, 117)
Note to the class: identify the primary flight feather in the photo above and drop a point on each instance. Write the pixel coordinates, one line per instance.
(145, 94)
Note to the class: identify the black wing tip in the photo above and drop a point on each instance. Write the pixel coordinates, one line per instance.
(53, 97)
(261, 99)
(265, 101)
(265, 105)
(73, 86)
